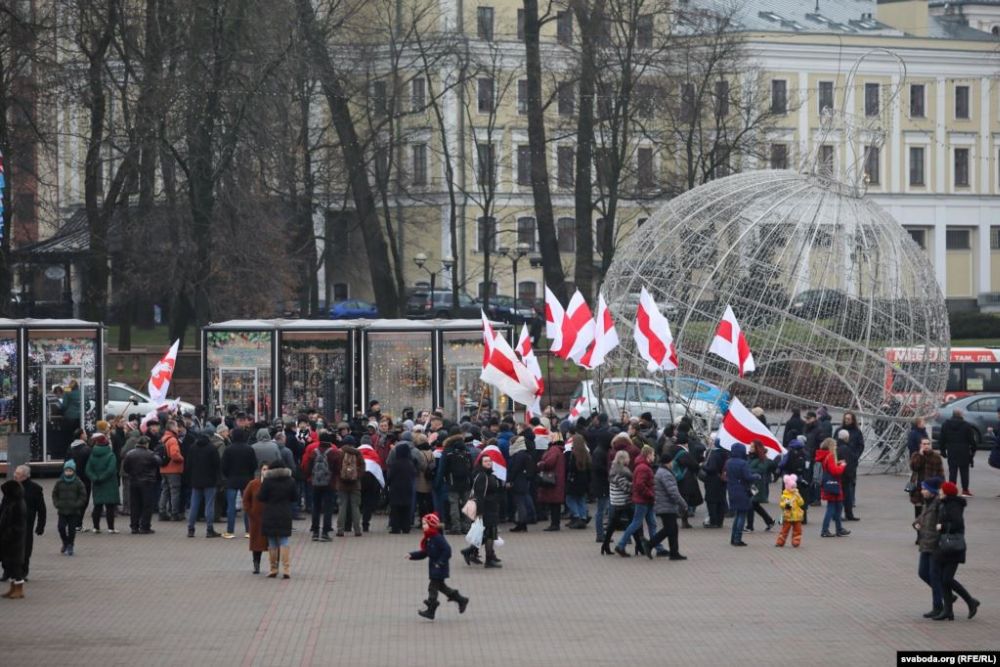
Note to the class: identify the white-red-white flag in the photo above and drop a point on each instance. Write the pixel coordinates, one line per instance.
(554, 315)
(575, 411)
(527, 355)
(653, 339)
(578, 329)
(742, 426)
(605, 337)
(503, 370)
(730, 343)
(373, 462)
(160, 376)
(499, 463)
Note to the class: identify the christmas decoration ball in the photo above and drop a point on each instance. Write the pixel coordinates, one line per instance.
(840, 306)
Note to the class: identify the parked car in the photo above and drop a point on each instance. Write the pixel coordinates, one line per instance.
(353, 309)
(818, 303)
(503, 309)
(980, 410)
(630, 304)
(421, 304)
(697, 389)
(638, 395)
(126, 400)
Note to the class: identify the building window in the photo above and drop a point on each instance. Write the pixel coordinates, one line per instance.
(486, 154)
(380, 99)
(779, 156)
(644, 31)
(916, 165)
(482, 290)
(962, 102)
(872, 164)
(418, 94)
(520, 25)
(687, 102)
(871, 99)
(640, 222)
(720, 161)
(340, 292)
(957, 239)
(522, 96)
(564, 27)
(566, 101)
(917, 100)
(919, 237)
(644, 94)
(485, 95)
(994, 238)
(565, 159)
(600, 230)
(527, 293)
(487, 234)
(826, 160)
(605, 106)
(779, 96)
(961, 167)
(721, 99)
(526, 233)
(484, 23)
(602, 168)
(644, 170)
(382, 166)
(524, 165)
(419, 164)
(825, 96)
(566, 230)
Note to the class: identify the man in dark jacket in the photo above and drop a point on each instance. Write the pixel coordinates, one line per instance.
(456, 472)
(239, 465)
(599, 484)
(795, 426)
(142, 468)
(958, 445)
(34, 501)
(203, 464)
(739, 477)
(79, 451)
(520, 472)
(13, 524)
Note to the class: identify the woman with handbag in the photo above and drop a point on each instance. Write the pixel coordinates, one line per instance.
(487, 490)
(950, 551)
(551, 480)
(925, 463)
(926, 526)
(831, 487)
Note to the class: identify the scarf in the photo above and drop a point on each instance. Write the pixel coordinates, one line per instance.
(428, 534)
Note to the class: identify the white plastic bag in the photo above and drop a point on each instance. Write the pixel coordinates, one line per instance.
(475, 534)
(498, 542)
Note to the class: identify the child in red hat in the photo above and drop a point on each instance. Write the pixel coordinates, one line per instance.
(436, 549)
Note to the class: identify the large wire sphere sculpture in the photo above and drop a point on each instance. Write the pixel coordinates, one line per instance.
(840, 305)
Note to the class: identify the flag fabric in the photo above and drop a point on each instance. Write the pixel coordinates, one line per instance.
(160, 376)
(742, 426)
(653, 339)
(373, 462)
(528, 358)
(578, 329)
(503, 370)
(730, 343)
(554, 315)
(605, 337)
(575, 411)
(499, 463)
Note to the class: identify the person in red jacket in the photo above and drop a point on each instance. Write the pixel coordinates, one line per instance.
(623, 442)
(554, 494)
(171, 471)
(643, 496)
(831, 487)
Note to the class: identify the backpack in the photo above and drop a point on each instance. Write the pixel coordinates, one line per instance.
(430, 468)
(321, 475)
(796, 463)
(458, 467)
(161, 452)
(349, 468)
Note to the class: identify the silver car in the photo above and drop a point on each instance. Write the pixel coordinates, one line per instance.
(638, 395)
(980, 410)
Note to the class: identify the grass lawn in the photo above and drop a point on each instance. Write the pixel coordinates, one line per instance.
(976, 342)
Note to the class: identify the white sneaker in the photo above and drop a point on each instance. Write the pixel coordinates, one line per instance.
(228, 536)
(112, 531)
(97, 531)
(246, 535)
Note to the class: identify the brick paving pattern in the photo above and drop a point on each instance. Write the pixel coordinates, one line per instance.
(164, 599)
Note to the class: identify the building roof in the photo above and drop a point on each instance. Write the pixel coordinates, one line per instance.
(834, 17)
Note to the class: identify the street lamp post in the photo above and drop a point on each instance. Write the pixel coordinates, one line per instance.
(420, 259)
(515, 255)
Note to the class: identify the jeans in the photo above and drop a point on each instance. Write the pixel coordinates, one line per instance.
(642, 513)
(231, 512)
(603, 502)
(277, 542)
(143, 501)
(930, 572)
(307, 493)
(739, 520)
(833, 510)
(170, 495)
(67, 528)
(206, 495)
(577, 506)
(322, 502)
(458, 520)
(849, 489)
(350, 508)
(524, 508)
(96, 515)
(669, 531)
(953, 472)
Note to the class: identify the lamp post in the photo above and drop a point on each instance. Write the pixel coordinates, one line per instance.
(515, 255)
(420, 259)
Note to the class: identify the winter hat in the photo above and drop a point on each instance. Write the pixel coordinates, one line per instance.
(263, 435)
(348, 440)
(326, 436)
(433, 520)
(373, 425)
(757, 411)
(103, 426)
(932, 484)
(98, 439)
(407, 424)
(843, 434)
(791, 482)
(71, 464)
(949, 489)
(797, 443)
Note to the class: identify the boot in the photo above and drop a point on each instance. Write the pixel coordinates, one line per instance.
(272, 555)
(428, 613)
(946, 613)
(684, 522)
(256, 562)
(461, 601)
(286, 562)
(18, 591)
(10, 593)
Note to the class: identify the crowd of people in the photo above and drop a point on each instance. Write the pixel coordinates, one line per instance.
(429, 472)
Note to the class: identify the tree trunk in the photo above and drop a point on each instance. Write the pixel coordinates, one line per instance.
(548, 242)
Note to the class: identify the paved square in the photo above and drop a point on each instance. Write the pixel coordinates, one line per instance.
(168, 600)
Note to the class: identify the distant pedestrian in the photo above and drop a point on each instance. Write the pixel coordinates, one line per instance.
(435, 548)
(34, 501)
(141, 467)
(831, 487)
(488, 493)
(739, 481)
(950, 553)
(203, 465)
(239, 465)
(13, 529)
(643, 497)
(102, 469)
(926, 526)
(792, 512)
(668, 504)
(69, 497)
(551, 480)
(278, 492)
(958, 445)
(253, 508)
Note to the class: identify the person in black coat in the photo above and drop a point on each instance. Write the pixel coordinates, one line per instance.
(715, 486)
(13, 527)
(600, 487)
(685, 469)
(795, 426)
(239, 465)
(142, 469)
(277, 492)
(34, 501)
(401, 480)
(951, 521)
(488, 492)
(855, 448)
(203, 465)
(520, 472)
(958, 445)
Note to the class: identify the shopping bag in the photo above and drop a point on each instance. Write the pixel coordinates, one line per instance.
(475, 534)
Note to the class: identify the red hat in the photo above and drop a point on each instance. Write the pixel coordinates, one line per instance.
(433, 520)
(949, 489)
